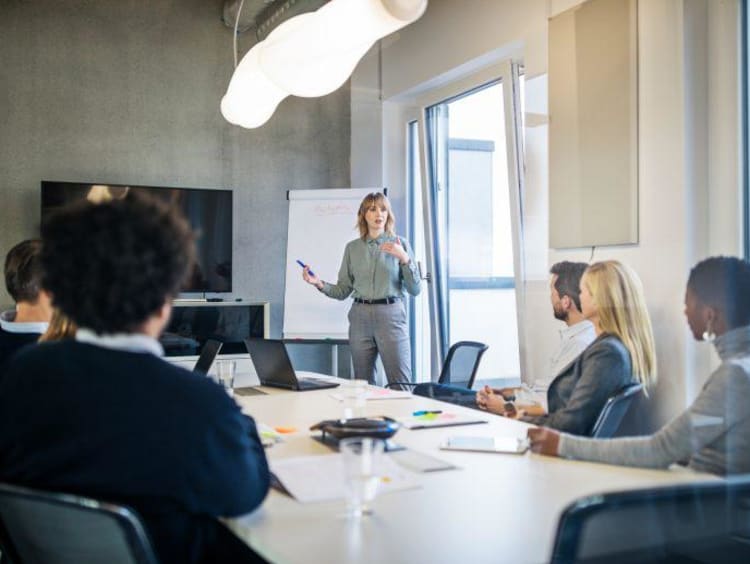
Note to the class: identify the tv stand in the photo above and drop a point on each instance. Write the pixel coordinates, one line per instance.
(203, 300)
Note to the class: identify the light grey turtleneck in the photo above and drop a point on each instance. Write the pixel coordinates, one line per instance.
(712, 435)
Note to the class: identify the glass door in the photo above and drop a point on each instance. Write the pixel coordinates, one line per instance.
(472, 205)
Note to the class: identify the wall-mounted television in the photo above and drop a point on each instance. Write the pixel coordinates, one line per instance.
(208, 211)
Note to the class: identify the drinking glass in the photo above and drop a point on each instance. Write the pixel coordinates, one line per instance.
(362, 458)
(355, 396)
(225, 372)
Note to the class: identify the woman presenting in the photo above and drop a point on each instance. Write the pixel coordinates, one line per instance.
(377, 268)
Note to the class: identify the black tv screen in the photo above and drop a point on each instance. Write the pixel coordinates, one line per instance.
(208, 211)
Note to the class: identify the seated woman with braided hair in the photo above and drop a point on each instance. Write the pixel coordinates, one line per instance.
(713, 434)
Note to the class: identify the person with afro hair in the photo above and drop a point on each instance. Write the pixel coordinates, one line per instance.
(103, 415)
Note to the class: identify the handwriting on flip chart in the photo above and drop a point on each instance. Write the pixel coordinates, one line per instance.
(329, 209)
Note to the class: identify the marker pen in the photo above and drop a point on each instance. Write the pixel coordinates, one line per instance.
(303, 265)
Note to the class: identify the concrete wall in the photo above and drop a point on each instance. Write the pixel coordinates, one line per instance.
(688, 147)
(128, 92)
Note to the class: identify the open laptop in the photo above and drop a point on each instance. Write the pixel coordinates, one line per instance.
(274, 368)
(210, 349)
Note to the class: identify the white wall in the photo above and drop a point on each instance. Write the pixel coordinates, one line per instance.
(688, 147)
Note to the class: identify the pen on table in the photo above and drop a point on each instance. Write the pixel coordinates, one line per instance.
(303, 265)
(426, 412)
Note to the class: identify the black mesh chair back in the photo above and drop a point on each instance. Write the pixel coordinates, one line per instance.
(614, 411)
(458, 373)
(461, 364)
(703, 522)
(48, 528)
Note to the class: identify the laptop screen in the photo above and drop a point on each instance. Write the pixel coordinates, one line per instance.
(208, 354)
(271, 361)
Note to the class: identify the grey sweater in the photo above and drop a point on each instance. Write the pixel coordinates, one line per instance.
(712, 435)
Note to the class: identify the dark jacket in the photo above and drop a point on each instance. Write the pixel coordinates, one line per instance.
(135, 430)
(10, 343)
(577, 395)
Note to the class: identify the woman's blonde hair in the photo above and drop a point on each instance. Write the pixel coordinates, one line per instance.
(377, 199)
(60, 327)
(622, 312)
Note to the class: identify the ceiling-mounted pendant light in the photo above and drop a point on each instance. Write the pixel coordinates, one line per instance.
(311, 55)
(320, 55)
(251, 98)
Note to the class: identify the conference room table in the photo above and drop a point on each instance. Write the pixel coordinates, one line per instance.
(491, 508)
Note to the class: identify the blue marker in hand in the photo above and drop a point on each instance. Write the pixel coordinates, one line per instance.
(303, 265)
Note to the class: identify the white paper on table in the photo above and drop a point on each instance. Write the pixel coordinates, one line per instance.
(312, 479)
(378, 394)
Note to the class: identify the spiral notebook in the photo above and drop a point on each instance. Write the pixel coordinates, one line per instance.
(430, 420)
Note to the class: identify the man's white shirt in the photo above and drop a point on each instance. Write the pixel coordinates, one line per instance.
(9, 324)
(573, 341)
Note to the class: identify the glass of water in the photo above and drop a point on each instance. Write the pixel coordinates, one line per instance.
(225, 373)
(355, 396)
(362, 458)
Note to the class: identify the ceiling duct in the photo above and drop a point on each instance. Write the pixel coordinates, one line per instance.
(263, 16)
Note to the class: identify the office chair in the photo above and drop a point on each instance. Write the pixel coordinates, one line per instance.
(614, 411)
(703, 522)
(39, 527)
(459, 369)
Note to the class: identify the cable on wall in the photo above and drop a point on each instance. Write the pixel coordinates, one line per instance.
(236, 25)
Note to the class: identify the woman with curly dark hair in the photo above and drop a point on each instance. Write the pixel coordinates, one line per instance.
(103, 415)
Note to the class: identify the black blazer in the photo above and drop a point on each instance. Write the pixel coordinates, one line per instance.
(575, 398)
(10, 343)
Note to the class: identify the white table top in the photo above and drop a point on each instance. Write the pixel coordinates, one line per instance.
(495, 507)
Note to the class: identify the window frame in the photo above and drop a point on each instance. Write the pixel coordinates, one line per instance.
(507, 73)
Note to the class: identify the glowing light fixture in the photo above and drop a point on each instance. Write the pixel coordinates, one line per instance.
(311, 55)
(251, 98)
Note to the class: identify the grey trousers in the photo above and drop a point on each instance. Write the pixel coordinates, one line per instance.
(380, 328)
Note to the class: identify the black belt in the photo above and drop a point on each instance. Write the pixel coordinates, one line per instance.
(381, 301)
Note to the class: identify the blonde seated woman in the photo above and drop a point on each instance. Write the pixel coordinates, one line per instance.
(713, 434)
(622, 354)
(60, 327)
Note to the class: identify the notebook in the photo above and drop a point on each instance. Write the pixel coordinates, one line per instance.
(432, 419)
(274, 368)
(210, 349)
